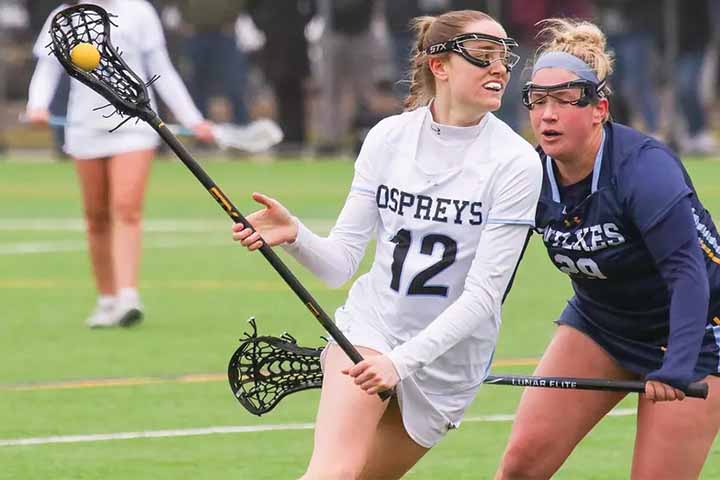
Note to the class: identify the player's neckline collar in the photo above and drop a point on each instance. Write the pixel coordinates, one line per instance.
(597, 167)
(452, 133)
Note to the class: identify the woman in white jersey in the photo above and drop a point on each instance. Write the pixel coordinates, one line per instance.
(113, 167)
(451, 191)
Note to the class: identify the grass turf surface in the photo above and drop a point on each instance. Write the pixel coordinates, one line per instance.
(198, 289)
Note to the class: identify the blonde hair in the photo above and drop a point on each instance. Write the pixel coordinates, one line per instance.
(579, 38)
(429, 31)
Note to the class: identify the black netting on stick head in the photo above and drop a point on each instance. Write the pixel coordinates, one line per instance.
(112, 78)
(265, 369)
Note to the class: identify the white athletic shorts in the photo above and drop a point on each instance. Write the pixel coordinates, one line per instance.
(427, 416)
(83, 143)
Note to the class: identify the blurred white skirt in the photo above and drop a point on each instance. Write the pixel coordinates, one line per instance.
(427, 416)
(84, 144)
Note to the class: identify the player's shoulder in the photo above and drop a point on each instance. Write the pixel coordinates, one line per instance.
(509, 147)
(633, 149)
(393, 131)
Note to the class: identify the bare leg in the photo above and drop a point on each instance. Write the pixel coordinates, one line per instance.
(346, 422)
(391, 437)
(679, 433)
(128, 179)
(550, 423)
(93, 177)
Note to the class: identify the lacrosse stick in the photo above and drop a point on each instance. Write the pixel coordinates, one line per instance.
(265, 369)
(127, 93)
(255, 137)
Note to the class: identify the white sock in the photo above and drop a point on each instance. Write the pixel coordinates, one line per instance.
(106, 301)
(127, 293)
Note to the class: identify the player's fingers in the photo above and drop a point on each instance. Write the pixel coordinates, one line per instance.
(242, 234)
(263, 199)
(250, 239)
(357, 369)
(256, 245)
(365, 377)
(680, 394)
(370, 383)
(650, 391)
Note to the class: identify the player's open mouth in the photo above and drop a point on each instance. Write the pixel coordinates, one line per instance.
(550, 134)
(493, 86)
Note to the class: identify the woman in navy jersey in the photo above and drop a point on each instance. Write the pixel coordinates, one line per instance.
(619, 215)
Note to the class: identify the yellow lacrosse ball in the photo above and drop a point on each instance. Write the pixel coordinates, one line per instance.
(85, 56)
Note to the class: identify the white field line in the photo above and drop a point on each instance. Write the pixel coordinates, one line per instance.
(149, 226)
(152, 225)
(189, 432)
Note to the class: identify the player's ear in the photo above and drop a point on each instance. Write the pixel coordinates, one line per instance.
(601, 111)
(438, 67)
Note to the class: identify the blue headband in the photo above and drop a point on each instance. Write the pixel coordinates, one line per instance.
(567, 62)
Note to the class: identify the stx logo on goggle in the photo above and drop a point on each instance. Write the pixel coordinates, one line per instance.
(437, 48)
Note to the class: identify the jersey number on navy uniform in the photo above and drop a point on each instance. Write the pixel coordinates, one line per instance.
(402, 240)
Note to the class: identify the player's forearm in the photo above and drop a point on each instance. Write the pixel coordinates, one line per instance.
(673, 244)
(172, 90)
(43, 84)
(335, 259)
(332, 260)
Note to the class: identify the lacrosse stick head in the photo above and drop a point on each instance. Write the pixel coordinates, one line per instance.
(112, 78)
(265, 369)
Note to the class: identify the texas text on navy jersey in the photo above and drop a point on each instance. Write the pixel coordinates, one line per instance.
(597, 240)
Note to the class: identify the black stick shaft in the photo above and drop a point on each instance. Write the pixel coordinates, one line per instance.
(695, 390)
(266, 251)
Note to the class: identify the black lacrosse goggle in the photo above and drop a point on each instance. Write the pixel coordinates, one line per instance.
(473, 48)
(578, 93)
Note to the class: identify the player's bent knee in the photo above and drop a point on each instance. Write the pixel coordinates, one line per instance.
(524, 460)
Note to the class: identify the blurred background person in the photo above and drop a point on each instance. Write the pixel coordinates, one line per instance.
(633, 29)
(113, 168)
(521, 17)
(285, 63)
(347, 70)
(693, 40)
(214, 61)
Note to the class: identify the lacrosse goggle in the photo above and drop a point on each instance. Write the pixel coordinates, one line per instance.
(480, 49)
(577, 93)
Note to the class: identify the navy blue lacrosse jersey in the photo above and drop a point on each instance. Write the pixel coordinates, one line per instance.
(598, 239)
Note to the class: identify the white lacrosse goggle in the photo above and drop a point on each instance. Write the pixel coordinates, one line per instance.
(474, 48)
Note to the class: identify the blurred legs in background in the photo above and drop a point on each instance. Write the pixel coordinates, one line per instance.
(113, 190)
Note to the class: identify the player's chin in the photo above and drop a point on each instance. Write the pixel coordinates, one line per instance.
(489, 103)
(553, 147)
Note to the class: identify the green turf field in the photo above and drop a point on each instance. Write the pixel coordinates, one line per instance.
(64, 386)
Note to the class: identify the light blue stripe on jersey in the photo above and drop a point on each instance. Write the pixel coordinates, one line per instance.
(716, 332)
(596, 171)
(356, 188)
(506, 221)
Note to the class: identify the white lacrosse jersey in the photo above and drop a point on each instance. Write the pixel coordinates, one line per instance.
(139, 37)
(433, 193)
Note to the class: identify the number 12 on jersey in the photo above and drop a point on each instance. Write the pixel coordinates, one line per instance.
(418, 285)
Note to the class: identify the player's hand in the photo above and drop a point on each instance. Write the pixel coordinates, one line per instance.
(38, 117)
(662, 392)
(273, 223)
(374, 374)
(203, 132)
